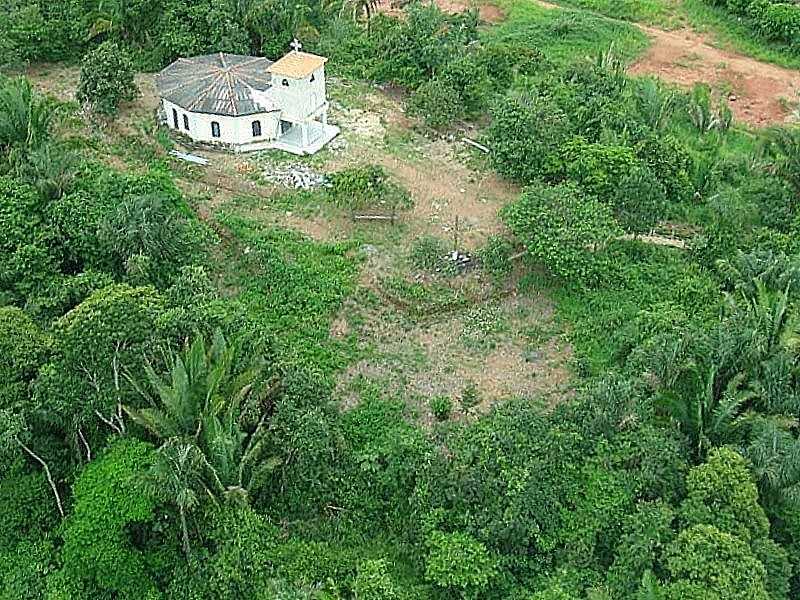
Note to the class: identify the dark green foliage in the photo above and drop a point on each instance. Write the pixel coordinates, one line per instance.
(639, 200)
(99, 556)
(525, 136)
(149, 239)
(23, 349)
(563, 229)
(106, 79)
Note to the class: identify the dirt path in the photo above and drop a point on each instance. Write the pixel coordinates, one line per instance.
(760, 94)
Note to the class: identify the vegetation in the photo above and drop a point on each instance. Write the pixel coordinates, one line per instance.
(187, 405)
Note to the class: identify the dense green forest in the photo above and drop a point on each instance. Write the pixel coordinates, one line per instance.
(173, 422)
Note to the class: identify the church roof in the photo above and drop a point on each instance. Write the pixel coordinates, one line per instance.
(297, 64)
(220, 84)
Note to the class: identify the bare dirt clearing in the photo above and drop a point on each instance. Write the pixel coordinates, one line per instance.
(527, 359)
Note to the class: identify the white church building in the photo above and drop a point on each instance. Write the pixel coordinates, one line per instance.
(246, 103)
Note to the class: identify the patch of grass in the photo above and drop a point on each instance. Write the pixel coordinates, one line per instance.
(565, 36)
(664, 13)
(293, 287)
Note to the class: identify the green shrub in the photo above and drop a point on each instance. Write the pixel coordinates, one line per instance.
(441, 406)
(367, 186)
(437, 102)
(470, 397)
(106, 78)
(495, 256)
(563, 229)
(459, 562)
(597, 168)
(526, 134)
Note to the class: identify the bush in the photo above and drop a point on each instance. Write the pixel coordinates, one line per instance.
(526, 135)
(437, 103)
(441, 406)
(495, 256)
(106, 79)
(598, 168)
(563, 229)
(367, 186)
(459, 562)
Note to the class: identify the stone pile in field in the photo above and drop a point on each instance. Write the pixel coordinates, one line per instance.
(295, 176)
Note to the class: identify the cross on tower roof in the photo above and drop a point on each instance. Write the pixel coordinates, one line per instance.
(296, 45)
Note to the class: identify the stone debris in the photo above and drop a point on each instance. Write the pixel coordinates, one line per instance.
(295, 176)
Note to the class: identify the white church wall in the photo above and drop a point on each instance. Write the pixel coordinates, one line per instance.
(232, 130)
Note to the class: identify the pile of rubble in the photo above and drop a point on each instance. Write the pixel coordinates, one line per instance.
(295, 176)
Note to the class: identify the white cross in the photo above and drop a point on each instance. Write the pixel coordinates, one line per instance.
(296, 45)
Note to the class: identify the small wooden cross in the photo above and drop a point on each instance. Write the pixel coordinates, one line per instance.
(296, 45)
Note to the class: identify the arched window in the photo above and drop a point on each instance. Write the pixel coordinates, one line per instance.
(256, 128)
(175, 118)
(285, 83)
(214, 129)
(186, 122)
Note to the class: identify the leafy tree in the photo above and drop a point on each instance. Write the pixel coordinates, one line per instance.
(722, 493)
(107, 78)
(235, 561)
(562, 229)
(459, 562)
(83, 386)
(99, 556)
(706, 563)
(373, 582)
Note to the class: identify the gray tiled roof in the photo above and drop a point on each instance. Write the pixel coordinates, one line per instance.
(216, 83)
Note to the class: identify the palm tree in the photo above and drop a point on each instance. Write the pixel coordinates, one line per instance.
(710, 414)
(176, 477)
(26, 119)
(358, 8)
(205, 403)
(774, 455)
(782, 151)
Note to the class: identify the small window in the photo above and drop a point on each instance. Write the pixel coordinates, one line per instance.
(256, 128)
(186, 122)
(175, 118)
(285, 83)
(214, 129)
(312, 77)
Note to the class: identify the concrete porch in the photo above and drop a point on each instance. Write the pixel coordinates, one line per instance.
(318, 135)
